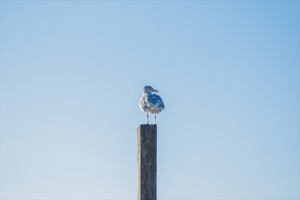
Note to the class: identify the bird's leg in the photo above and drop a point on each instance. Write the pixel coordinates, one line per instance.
(148, 118)
(155, 118)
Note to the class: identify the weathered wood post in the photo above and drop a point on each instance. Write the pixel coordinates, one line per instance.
(146, 162)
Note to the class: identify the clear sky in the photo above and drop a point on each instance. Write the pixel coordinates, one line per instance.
(71, 78)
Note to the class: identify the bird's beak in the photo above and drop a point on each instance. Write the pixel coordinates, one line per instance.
(156, 91)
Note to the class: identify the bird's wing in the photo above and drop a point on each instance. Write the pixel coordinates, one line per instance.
(144, 103)
(156, 100)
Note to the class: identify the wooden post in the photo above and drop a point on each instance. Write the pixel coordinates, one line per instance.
(146, 161)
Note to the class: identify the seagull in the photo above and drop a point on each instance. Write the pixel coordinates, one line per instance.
(151, 102)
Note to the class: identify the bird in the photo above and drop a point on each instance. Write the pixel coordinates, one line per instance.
(151, 102)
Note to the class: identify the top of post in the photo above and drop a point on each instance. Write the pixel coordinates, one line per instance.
(147, 127)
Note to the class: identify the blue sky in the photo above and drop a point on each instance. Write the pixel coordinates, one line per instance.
(71, 78)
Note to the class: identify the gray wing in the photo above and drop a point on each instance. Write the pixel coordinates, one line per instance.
(144, 103)
(156, 101)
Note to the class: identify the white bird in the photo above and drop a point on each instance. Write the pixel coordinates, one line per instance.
(151, 102)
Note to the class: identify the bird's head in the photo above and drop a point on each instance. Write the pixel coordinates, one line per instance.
(148, 89)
